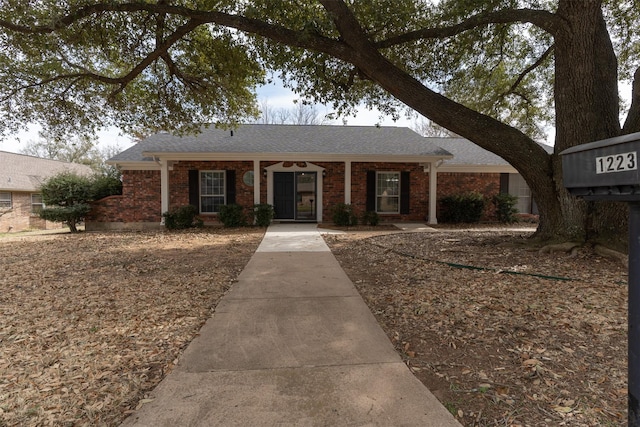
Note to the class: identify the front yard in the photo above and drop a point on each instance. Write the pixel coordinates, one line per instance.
(92, 322)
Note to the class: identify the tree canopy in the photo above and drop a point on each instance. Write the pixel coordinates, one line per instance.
(497, 72)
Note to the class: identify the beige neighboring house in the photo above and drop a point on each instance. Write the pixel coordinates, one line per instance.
(20, 179)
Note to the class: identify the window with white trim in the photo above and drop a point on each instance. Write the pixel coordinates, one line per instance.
(212, 191)
(5, 200)
(36, 203)
(388, 192)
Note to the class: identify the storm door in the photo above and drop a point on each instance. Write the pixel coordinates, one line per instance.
(294, 195)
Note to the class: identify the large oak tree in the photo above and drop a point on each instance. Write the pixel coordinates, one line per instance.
(494, 71)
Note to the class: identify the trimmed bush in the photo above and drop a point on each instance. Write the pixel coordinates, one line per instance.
(505, 207)
(232, 216)
(370, 218)
(179, 218)
(462, 208)
(343, 216)
(263, 214)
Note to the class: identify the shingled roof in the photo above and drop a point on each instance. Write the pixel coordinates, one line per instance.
(466, 153)
(19, 172)
(287, 139)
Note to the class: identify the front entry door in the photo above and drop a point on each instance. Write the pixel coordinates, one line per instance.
(294, 195)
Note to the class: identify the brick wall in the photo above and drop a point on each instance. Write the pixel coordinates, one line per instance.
(20, 217)
(419, 194)
(487, 184)
(139, 202)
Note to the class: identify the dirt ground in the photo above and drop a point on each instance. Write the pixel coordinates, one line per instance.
(524, 339)
(92, 322)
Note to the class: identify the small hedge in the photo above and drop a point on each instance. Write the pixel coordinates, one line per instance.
(505, 207)
(462, 208)
(343, 216)
(263, 214)
(179, 218)
(370, 218)
(232, 216)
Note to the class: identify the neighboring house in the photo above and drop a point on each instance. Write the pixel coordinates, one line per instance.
(303, 171)
(473, 168)
(20, 179)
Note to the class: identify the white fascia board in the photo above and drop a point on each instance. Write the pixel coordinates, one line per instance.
(477, 168)
(136, 166)
(310, 157)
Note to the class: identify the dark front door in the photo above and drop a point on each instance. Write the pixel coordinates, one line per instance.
(284, 195)
(294, 195)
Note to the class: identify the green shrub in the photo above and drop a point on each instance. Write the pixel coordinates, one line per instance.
(371, 218)
(104, 186)
(66, 198)
(263, 214)
(232, 216)
(462, 208)
(505, 207)
(343, 215)
(179, 218)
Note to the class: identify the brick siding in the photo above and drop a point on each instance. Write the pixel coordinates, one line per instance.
(20, 217)
(141, 201)
(487, 184)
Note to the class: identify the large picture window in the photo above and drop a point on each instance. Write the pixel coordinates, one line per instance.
(388, 192)
(5, 201)
(212, 191)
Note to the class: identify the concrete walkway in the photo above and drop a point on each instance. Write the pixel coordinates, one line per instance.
(292, 344)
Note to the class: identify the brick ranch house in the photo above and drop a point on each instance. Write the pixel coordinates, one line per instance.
(302, 170)
(20, 200)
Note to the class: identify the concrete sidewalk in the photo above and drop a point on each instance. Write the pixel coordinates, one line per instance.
(292, 344)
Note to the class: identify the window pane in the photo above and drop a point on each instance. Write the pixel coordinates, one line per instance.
(387, 192)
(36, 203)
(212, 191)
(5, 200)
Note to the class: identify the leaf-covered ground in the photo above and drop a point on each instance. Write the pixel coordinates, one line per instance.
(497, 348)
(91, 322)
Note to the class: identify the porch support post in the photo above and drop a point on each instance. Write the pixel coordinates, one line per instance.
(164, 188)
(256, 181)
(433, 187)
(347, 182)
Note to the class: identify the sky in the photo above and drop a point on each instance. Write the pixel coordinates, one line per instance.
(275, 95)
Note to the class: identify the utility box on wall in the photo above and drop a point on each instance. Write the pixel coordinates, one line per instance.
(604, 170)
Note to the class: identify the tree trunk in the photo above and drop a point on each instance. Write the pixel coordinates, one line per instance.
(586, 97)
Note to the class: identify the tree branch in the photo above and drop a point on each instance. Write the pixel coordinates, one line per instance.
(632, 123)
(548, 21)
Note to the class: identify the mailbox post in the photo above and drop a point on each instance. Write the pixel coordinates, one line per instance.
(608, 170)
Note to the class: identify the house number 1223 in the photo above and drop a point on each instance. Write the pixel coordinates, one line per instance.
(617, 163)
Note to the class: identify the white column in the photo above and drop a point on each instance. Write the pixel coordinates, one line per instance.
(433, 187)
(164, 187)
(256, 181)
(347, 182)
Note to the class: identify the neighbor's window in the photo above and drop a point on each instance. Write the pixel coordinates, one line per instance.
(5, 200)
(212, 194)
(388, 192)
(36, 203)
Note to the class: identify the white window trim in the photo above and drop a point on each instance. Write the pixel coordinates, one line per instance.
(200, 195)
(10, 200)
(396, 196)
(41, 204)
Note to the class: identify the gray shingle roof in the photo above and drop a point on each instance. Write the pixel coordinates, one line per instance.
(466, 152)
(338, 140)
(19, 172)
